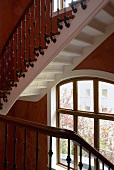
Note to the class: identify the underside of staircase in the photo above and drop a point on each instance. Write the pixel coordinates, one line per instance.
(48, 63)
(43, 48)
(87, 40)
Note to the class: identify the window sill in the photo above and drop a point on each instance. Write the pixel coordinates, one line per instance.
(59, 167)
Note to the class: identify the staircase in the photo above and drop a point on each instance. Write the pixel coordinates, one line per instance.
(87, 40)
(33, 62)
(20, 142)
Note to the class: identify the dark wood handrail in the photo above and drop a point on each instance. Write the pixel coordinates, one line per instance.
(56, 132)
(16, 26)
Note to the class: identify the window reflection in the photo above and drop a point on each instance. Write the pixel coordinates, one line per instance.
(61, 4)
(86, 129)
(57, 5)
(106, 97)
(84, 126)
(85, 95)
(66, 96)
(107, 139)
(66, 121)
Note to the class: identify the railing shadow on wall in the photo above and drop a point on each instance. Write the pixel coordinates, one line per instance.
(20, 145)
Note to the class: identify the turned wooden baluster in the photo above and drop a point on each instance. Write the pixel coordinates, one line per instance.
(15, 141)
(17, 71)
(6, 147)
(37, 149)
(80, 163)
(68, 157)
(74, 9)
(45, 24)
(51, 33)
(25, 42)
(20, 73)
(29, 41)
(25, 144)
(50, 153)
(12, 83)
(60, 26)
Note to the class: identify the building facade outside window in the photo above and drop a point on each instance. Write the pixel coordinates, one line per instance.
(59, 4)
(86, 105)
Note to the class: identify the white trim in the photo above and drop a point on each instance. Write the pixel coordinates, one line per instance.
(52, 102)
(91, 73)
(76, 61)
(82, 18)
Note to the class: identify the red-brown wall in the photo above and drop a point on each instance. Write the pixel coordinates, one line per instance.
(10, 11)
(32, 111)
(101, 59)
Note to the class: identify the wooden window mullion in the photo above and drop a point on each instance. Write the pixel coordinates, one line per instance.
(75, 97)
(96, 121)
(76, 113)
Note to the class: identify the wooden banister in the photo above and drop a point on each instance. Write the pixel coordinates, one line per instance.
(29, 38)
(58, 133)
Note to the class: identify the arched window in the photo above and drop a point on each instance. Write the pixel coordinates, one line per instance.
(86, 105)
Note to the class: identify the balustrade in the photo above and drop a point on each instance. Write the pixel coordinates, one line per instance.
(16, 136)
(35, 29)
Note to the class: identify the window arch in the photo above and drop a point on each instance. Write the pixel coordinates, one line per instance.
(86, 105)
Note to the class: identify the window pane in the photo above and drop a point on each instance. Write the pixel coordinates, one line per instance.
(106, 98)
(61, 3)
(66, 121)
(107, 139)
(85, 96)
(66, 96)
(85, 160)
(64, 152)
(66, 3)
(86, 129)
(57, 3)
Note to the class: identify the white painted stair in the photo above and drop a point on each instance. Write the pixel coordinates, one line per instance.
(88, 30)
(90, 37)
